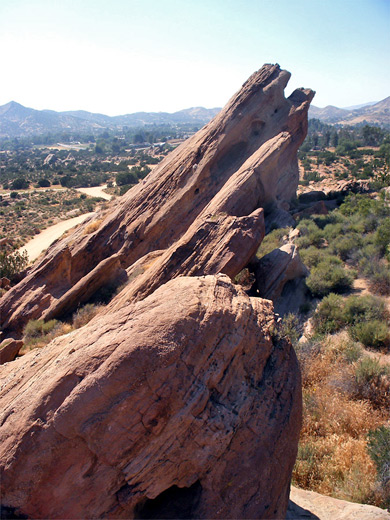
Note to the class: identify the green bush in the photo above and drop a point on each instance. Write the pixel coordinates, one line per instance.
(346, 246)
(327, 277)
(329, 316)
(358, 309)
(379, 450)
(374, 334)
(312, 256)
(382, 236)
(311, 234)
(369, 368)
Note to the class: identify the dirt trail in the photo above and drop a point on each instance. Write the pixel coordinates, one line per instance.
(96, 191)
(42, 241)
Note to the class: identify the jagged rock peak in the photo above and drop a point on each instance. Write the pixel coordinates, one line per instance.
(201, 210)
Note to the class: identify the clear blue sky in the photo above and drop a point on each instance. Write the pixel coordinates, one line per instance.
(122, 56)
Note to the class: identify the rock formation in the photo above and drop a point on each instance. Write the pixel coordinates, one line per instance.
(179, 397)
(174, 401)
(277, 268)
(202, 206)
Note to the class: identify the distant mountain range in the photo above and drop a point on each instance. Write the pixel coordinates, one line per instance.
(17, 120)
(371, 113)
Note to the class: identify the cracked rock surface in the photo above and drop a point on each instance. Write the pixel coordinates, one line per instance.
(181, 398)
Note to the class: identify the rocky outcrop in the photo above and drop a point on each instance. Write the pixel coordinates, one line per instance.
(277, 268)
(177, 406)
(203, 206)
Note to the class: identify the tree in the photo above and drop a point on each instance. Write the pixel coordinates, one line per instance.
(19, 184)
(44, 183)
(12, 263)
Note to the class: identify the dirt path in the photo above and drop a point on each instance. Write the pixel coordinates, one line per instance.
(96, 191)
(42, 241)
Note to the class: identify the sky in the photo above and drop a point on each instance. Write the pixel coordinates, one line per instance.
(122, 56)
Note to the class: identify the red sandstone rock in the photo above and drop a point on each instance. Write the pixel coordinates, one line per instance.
(177, 404)
(208, 194)
(277, 268)
(9, 349)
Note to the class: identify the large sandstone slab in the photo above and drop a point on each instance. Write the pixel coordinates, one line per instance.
(177, 406)
(313, 506)
(209, 193)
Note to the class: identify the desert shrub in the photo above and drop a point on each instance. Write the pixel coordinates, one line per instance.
(329, 316)
(311, 234)
(379, 278)
(382, 236)
(38, 333)
(37, 328)
(272, 241)
(363, 308)
(289, 328)
(12, 263)
(312, 256)
(346, 246)
(331, 231)
(374, 334)
(327, 277)
(85, 314)
(379, 450)
(369, 369)
(353, 352)
(92, 227)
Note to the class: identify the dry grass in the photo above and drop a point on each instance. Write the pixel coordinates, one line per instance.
(92, 227)
(333, 458)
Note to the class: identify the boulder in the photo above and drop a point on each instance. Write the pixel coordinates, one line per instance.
(319, 208)
(5, 283)
(177, 406)
(312, 196)
(276, 268)
(209, 193)
(9, 349)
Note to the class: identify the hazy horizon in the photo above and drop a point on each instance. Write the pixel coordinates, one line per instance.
(150, 56)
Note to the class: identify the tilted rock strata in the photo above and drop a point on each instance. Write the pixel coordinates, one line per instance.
(241, 161)
(182, 392)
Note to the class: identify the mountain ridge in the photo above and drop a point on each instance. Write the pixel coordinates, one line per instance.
(17, 120)
(371, 113)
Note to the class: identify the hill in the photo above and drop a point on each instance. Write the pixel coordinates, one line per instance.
(377, 114)
(17, 120)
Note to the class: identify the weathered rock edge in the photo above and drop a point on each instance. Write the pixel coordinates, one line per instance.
(201, 207)
(185, 388)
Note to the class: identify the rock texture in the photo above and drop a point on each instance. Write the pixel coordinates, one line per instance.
(203, 206)
(177, 406)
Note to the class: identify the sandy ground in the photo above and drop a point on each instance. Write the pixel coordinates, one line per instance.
(42, 241)
(96, 191)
